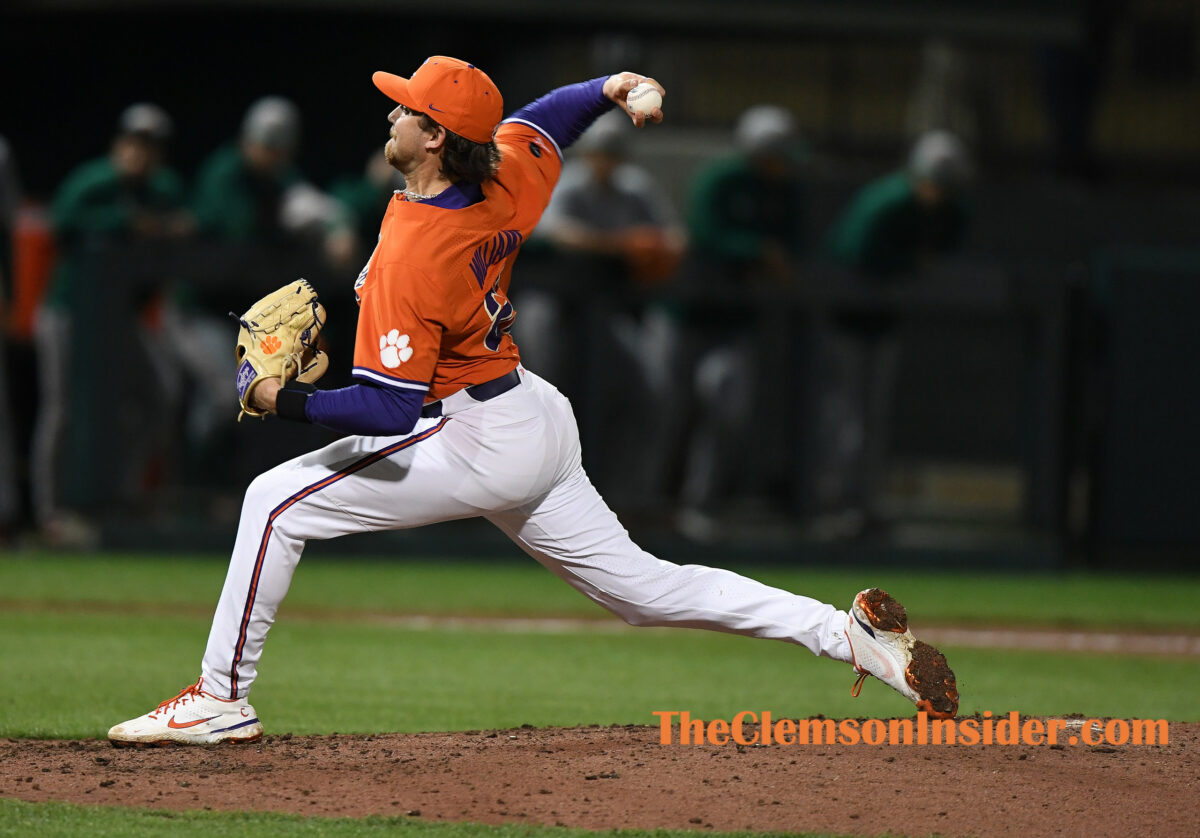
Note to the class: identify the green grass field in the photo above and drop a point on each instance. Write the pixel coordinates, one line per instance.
(524, 589)
(61, 819)
(127, 632)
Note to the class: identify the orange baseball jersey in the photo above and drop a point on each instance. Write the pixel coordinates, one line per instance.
(434, 313)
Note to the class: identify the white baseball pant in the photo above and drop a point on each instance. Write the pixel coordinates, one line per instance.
(515, 460)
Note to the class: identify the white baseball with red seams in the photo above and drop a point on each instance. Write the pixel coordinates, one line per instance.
(643, 98)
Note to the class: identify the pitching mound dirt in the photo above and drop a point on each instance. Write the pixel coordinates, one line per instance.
(602, 777)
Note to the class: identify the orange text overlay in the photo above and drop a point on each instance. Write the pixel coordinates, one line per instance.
(678, 727)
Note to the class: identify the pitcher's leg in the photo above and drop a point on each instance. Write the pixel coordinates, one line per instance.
(324, 494)
(276, 518)
(577, 537)
(260, 572)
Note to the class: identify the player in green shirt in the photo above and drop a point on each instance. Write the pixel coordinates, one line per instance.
(746, 213)
(746, 220)
(904, 220)
(892, 228)
(126, 196)
(241, 188)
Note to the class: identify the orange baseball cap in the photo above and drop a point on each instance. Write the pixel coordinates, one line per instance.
(453, 93)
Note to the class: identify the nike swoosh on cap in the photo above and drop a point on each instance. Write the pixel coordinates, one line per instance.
(171, 723)
(433, 107)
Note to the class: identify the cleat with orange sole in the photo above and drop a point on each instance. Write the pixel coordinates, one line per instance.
(194, 717)
(882, 645)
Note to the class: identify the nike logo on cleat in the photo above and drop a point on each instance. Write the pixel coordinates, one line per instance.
(865, 626)
(173, 725)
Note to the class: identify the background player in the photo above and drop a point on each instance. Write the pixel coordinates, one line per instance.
(446, 424)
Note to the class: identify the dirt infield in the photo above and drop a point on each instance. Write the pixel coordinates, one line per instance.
(602, 777)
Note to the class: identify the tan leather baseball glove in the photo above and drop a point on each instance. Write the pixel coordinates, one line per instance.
(278, 339)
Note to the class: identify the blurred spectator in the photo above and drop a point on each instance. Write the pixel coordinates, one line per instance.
(251, 196)
(240, 188)
(271, 224)
(606, 206)
(128, 195)
(251, 191)
(32, 266)
(616, 237)
(747, 225)
(892, 228)
(747, 213)
(10, 193)
(909, 217)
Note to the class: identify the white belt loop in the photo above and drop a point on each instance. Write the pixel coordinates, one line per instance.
(455, 402)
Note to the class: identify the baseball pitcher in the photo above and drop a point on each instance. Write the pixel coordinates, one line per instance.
(445, 423)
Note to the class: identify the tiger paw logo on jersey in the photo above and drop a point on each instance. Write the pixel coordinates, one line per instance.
(394, 349)
(270, 345)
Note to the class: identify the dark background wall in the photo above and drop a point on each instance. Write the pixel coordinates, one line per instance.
(1049, 202)
(68, 75)
(70, 66)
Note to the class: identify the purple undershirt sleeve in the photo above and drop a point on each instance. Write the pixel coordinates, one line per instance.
(365, 409)
(566, 112)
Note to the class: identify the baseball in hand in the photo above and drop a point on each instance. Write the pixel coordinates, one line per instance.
(644, 99)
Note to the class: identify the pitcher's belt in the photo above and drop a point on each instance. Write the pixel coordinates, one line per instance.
(479, 392)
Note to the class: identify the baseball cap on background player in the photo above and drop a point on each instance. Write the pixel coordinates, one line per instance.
(457, 95)
(145, 120)
(769, 131)
(274, 122)
(608, 135)
(940, 158)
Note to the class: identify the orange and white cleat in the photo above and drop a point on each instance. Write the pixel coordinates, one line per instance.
(881, 645)
(193, 717)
